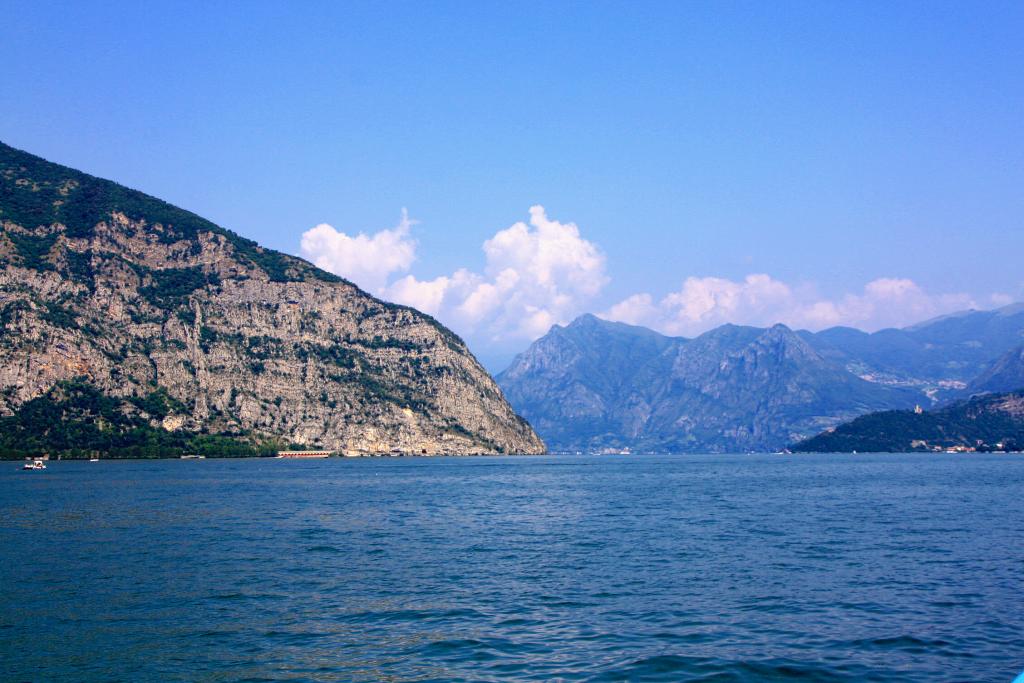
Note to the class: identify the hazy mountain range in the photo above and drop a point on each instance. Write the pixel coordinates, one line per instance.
(131, 325)
(1006, 373)
(596, 385)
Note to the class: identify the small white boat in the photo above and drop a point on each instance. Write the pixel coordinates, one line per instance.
(34, 464)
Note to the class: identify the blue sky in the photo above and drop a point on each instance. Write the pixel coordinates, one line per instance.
(815, 163)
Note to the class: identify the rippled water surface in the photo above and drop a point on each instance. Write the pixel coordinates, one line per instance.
(716, 568)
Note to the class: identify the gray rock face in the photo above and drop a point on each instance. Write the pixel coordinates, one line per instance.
(108, 284)
(596, 385)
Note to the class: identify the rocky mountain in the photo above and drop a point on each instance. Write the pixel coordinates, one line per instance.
(595, 385)
(577, 382)
(1006, 373)
(990, 422)
(110, 295)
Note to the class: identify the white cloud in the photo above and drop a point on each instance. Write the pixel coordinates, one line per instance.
(426, 296)
(638, 309)
(367, 260)
(703, 303)
(543, 272)
(536, 275)
(999, 299)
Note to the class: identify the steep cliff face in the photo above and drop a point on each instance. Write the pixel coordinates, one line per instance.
(132, 294)
(596, 384)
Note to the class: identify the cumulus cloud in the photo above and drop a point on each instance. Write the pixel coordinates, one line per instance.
(638, 309)
(367, 260)
(542, 272)
(537, 273)
(702, 303)
(1000, 299)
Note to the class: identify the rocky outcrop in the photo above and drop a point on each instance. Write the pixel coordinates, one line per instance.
(130, 293)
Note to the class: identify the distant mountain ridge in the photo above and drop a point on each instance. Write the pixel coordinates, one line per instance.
(938, 356)
(594, 385)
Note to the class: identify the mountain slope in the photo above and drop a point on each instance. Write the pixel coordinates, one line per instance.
(595, 384)
(1006, 373)
(577, 382)
(757, 391)
(992, 422)
(938, 356)
(109, 287)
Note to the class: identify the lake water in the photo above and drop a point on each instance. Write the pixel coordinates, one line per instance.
(681, 568)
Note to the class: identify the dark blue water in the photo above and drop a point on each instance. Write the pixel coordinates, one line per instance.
(710, 568)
